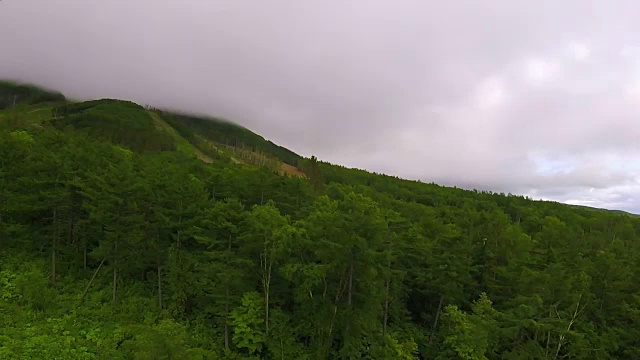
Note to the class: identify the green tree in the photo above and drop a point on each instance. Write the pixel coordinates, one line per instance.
(223, 275)
(267, 230)
(468, 336)
(248, 321)
(113, 196)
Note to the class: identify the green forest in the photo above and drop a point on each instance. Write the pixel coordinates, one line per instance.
(117, 241)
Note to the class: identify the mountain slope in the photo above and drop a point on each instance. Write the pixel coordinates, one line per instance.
(182, 145)
(232, 135)
(132, 126)
(209, 139)
(12, 93)
(112, 247)
(121, 122)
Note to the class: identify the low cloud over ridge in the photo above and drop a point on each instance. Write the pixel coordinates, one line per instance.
(536, 98)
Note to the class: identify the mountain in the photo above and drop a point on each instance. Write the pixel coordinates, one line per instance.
(145, 129)
(12, 93)
(128, 232)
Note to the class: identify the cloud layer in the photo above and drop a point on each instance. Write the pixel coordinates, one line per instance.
(537, 98)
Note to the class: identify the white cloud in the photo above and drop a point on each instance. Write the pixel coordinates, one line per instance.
(579, 51)
(539, 70)
(490, 93)
(458, 92)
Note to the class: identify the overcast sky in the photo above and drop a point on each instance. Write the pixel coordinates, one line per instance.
(540, 98)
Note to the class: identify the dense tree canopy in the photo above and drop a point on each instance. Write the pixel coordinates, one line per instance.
(12, 93)
(114, 251)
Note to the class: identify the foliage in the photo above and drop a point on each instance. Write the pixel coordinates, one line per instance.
(12, 93)
(247, 322)
(110, 249)
(120, 122)
(228, 133)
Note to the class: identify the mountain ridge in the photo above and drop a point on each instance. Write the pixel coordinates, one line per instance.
(209, 138)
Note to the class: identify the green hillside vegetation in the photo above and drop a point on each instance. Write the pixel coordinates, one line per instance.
(229, 134)
(182, 145)
(121, 122)
(12, 93)
(114, 249)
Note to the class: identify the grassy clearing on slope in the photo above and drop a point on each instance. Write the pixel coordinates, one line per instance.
(120, 122)
(292, 170)
(229, 134)
(23, 115)
(182, 145)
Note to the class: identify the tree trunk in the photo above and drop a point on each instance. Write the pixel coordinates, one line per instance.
(115, 274)
(226, 303)
(385, 318)
(546, 349)
(115, 286)
(53, 265)
(350, 288)
(571, 322)
(324, 291)
(435, 322)
(72, 222)
(226, 314)
(92, 278)
(159, 288)
(267, 284)
(339, 292)
(53, 248)
(333, 319)
(178, 239)
(266, 262)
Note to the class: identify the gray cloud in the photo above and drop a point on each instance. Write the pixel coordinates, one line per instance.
(533, 98)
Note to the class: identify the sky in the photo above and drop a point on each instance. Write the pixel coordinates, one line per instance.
(538, 98)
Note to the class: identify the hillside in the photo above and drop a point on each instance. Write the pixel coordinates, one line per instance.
(230, 135)
(120, 122)
(136, 233)
(141, 129)
(12, 93)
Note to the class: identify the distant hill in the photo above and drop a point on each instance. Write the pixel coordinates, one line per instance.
(147, 129)
(12, 93)
(622, 212)
(121, 122)
(229, 134)
(210, 139)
